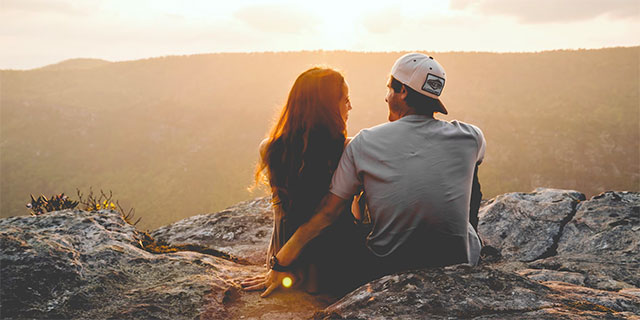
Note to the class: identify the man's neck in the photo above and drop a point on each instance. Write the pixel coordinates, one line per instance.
(411, 111)
(404, 111)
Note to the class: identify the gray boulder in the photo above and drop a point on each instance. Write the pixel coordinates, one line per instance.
(476, 293)
(526, 226)
(242, 231)
(601, 243)
(83, 265)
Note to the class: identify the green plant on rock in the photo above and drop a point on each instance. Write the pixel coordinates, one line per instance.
(42, 205)
(105, 202)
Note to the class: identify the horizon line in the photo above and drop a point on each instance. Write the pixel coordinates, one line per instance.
(315, 50)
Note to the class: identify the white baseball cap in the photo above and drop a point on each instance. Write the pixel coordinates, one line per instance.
(421, 73)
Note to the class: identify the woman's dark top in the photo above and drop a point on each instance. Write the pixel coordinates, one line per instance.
(297, 194)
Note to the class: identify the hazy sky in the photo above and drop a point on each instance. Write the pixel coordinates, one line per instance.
(34, 33)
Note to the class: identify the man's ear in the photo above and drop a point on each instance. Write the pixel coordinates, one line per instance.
(403, 92)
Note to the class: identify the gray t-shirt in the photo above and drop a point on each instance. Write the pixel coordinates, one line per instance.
(417, 173)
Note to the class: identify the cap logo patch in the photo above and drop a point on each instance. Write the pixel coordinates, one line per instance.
(433, 84)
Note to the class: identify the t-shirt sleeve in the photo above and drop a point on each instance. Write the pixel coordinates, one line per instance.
(346, 182)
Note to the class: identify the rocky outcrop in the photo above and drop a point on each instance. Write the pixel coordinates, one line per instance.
(478, 293)
(526, 226)
(243, 231)
(601, 243)
(579, 261)
(76, 264)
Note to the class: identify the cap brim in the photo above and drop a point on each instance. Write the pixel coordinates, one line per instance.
(442, 110)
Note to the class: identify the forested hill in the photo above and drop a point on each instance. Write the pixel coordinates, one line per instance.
(177, 136)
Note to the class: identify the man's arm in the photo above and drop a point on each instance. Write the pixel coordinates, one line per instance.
(329, 211)
(476, 198)
(331, 208)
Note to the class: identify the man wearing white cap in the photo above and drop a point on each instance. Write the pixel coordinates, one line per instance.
(417, 172)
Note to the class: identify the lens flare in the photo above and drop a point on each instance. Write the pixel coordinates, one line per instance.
(287, 282)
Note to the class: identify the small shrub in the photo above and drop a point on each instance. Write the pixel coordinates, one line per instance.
(42, 205)
(104, 202)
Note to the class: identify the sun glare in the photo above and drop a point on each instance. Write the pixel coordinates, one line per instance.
(287, 282)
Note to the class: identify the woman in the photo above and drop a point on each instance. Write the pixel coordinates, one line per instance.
(298, 160)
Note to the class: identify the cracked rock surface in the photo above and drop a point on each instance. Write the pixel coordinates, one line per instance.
(523, 225)
(602, 242)
(90, 265)
(579, 261)
(243, 231)
(476, 293)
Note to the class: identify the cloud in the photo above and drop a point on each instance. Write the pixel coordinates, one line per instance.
(43, 6)
(543, 11)
(277, 18)
(459, 4)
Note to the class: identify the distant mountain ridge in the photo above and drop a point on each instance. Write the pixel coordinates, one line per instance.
(78, 63)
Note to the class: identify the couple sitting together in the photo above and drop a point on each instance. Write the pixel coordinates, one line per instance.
(401, 195)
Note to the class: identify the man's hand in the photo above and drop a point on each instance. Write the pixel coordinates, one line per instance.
(271, 281)
(254, 283)
(330, 210)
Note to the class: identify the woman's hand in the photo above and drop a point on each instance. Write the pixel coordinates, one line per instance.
(271, 281)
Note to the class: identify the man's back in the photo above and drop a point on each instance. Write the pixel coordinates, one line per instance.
(417, 172)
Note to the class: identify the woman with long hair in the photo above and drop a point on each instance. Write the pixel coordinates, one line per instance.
(297, 160)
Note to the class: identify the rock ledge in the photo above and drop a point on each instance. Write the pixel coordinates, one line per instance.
(551, 254)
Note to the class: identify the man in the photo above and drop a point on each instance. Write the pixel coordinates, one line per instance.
(417, 173)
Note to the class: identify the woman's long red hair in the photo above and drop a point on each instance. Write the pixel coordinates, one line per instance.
(305, 144)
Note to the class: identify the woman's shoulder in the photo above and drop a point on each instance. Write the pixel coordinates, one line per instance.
(263, 147)
(263, 144)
